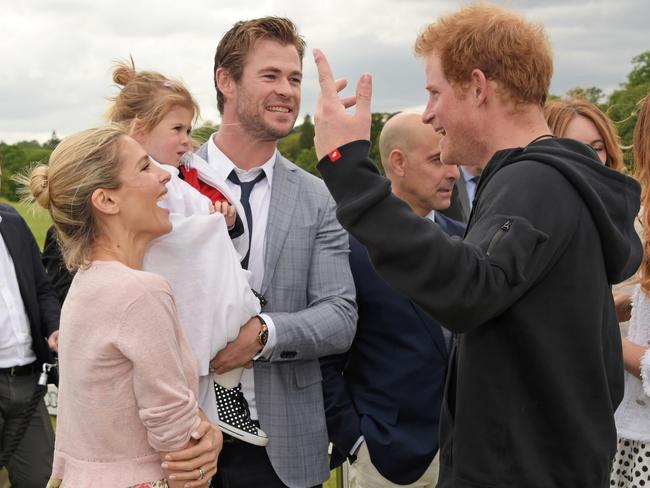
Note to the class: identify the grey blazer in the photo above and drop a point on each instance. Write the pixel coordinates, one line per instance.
(310, 297)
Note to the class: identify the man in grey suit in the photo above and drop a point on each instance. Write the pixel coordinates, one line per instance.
(298, 260)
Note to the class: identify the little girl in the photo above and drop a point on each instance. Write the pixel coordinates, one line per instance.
(211, 289)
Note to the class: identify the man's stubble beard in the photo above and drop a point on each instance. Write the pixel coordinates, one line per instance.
(255, 125)
(465, 149)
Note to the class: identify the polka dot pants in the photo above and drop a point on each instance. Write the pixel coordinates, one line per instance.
(631, 467)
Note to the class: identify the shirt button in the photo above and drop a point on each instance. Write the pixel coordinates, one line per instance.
(640, 402)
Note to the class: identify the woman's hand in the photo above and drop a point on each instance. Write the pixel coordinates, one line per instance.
(195, 465)
(53, 341)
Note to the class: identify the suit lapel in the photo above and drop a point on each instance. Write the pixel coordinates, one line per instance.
(284, 194)
(9, 237)
(435, 332)
(463, 197)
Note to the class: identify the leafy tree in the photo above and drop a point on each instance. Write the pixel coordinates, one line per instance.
(17, 158)
(622, 104)
(306, 133)
(377, 124)
(13, 159)
(640, 74)
(53, 142)
(307, 160)
(202, 133)
(592, 94)
(299, 145)
(289, 145)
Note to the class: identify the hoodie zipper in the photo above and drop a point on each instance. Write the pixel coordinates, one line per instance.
(498, 235)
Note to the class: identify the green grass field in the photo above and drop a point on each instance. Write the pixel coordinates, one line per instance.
(37, 218)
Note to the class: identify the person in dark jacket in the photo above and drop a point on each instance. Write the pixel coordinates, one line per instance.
(537, 372)
(29, 323)
(383, 396)
(54, 265)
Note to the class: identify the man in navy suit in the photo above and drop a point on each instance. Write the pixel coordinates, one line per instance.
(29, 322)
(383, 397)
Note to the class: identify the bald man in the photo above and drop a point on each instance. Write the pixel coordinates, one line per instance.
(410, 155)
(383, 397)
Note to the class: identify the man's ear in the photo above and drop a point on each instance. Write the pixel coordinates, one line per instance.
(224, 81)
(104, 201)
(397, 162)
(479, 86)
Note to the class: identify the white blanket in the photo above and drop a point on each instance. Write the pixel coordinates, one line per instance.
(213, 296)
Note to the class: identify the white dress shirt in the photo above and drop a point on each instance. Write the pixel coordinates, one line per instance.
(15, 336)
(260, 201)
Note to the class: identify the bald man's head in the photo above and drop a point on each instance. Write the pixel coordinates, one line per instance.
(410, 155)
(401, 132)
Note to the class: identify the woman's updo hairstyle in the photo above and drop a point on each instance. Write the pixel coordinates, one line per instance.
(79, 165)
(39, 186)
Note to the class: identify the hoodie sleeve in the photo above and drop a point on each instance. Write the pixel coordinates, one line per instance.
(149, 338)
(526, 215)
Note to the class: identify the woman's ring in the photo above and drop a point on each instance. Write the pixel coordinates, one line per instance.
(201, 473)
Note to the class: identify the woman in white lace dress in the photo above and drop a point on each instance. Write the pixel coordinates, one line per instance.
(631, 467)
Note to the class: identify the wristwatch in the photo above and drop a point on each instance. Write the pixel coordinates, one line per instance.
(263, 335)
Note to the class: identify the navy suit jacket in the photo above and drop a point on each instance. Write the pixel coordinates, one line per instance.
(389, 386)
(460, 207)
(40, 300)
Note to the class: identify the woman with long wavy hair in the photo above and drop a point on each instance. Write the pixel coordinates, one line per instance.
(583, 121)
(632, 462)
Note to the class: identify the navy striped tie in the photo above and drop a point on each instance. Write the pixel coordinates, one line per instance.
(246, 189)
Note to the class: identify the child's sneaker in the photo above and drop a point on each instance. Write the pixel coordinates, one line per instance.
(235, 418)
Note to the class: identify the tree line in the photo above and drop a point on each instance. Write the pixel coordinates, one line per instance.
(621, 105)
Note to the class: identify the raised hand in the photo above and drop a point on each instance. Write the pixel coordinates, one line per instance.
(334, 126)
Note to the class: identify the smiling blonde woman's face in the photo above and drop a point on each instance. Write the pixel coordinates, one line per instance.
(142, 184)
(584, 130)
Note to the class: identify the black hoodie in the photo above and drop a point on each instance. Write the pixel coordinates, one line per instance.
(537, 370)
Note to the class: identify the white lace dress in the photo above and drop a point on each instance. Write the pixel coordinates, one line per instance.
(631, 467)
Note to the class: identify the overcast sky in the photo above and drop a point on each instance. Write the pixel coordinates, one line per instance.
(56, 55)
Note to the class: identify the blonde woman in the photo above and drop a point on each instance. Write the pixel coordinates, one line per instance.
(127, 392)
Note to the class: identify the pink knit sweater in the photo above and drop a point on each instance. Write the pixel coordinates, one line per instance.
(128, 379)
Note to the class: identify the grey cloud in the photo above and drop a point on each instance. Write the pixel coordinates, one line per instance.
(56, 56)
